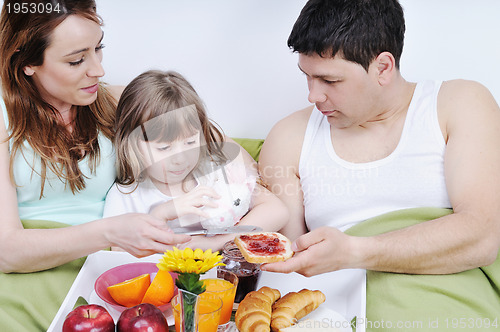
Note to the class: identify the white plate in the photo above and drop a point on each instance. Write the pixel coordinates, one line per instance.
(322, 319)
(345, 292)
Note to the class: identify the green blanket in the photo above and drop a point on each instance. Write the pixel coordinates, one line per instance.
(29, 301)
(469, 300)
(395, 302)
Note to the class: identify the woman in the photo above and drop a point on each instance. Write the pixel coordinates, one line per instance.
(57, 159)
(56, 134)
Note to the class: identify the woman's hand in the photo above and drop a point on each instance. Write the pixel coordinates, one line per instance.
(141, 234)
(324, 249)
(189, 203)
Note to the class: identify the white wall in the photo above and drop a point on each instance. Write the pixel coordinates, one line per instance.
(234, 51)
(235, 54)
(449, 39)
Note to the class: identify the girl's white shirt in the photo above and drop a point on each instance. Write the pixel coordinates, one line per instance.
(143, 197)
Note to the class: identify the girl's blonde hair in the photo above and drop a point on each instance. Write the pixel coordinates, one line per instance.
(172, 109)
(24, 37)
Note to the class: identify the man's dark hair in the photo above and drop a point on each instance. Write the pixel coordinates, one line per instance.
(357, 30)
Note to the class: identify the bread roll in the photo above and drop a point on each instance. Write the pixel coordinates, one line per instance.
(254, 311)
(293, 306)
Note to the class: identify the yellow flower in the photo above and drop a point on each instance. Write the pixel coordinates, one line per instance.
(189, 261)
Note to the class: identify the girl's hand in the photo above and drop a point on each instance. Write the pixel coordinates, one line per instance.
(141, 234)
(189, 203)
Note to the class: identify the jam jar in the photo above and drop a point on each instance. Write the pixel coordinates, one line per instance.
(248, 273)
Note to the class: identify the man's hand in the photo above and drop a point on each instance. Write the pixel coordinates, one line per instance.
(322, 250)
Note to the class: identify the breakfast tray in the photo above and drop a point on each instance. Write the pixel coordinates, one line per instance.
(345, 292)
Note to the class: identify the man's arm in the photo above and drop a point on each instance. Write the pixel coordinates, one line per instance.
(466, 239)
(470, 237)
(279, 167)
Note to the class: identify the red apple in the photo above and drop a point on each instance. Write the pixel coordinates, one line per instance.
(90, 317)
(142, 318)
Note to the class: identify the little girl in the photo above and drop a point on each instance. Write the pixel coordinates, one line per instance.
(175, 164)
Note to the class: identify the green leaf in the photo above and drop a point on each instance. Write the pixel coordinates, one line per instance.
(190, 282)
(353, 324)
(80, 301)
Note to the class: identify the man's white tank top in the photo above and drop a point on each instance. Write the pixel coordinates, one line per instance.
(341, 194)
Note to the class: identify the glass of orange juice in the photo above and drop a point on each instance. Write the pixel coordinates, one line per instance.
(206, 310)
(223, 286)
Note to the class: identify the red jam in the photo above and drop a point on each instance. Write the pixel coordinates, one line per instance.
(263, 245)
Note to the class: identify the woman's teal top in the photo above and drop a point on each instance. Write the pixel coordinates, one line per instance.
(58, 202)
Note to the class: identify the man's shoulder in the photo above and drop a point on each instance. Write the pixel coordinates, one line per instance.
(457, 96)
(295, 123)
(459, 90)
(284, 142)
(461, 85)
(456, 100)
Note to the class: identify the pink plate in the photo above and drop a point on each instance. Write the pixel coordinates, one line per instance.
(125, 272)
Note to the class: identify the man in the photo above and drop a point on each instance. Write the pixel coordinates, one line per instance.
(375, 143)
(389, 176)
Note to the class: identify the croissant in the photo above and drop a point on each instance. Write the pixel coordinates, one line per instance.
(293, 306)
(254, 311)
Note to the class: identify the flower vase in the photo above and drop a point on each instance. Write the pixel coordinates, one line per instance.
(196, 313)
(186, 306)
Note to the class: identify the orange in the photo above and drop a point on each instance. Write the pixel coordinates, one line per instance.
(161, 289)
(130, 292)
